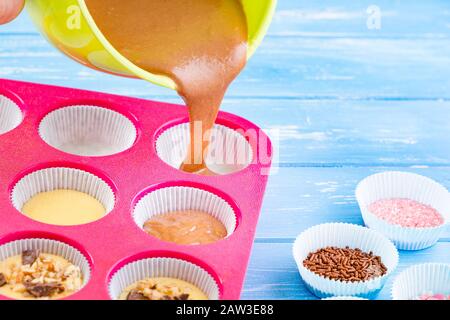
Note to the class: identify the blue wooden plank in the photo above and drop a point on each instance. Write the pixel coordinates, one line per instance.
(324, 132)
(306, 68)
(331, 18)
(21, 24)
(292, 65)
(283, 67)
(273, 274)
(298, 198)
(351, 133)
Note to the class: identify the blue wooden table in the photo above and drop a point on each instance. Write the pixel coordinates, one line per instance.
(348, 100)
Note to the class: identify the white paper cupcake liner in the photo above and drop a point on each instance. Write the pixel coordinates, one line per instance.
(229, 151)
(48, 246)
(163, 267)
(389, 185)
(179, 198)
(88, 131)
(422, 279)
(10, 114)
(62, 178)
(342, 235)
(344, 298)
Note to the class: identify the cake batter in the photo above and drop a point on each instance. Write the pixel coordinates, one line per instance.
(162, 289)
(64, 208)
(46, 276)
(190, 227)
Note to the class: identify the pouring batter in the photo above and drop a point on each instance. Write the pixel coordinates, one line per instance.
(200, 44)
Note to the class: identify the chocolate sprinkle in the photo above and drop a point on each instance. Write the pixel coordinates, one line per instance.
(2, 280)
(39, 290)
(30, 256)
(136, 295)
(345, 264)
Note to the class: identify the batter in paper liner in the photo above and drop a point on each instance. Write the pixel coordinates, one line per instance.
(35, 275)
(162, 288)
(190, 227)
(64, 208)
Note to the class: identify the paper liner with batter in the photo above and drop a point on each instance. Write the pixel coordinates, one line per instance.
(58, 248)
(182, 198)
(163, 267)
(228, 152)
(62, 178)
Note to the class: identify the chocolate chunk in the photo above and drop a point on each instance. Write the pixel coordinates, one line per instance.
(30, 256)
(183, 296)
(40, 290)
(166, 298)
(2, 280)
(136, 295)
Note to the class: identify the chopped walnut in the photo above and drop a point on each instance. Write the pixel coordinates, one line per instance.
(42, 276)
(149, 290)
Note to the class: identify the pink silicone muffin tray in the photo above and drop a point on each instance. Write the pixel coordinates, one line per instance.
(116, 240)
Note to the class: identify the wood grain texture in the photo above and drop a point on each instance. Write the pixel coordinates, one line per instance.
(312, 51)
(300, 197)
(343, 101)
(289, 67)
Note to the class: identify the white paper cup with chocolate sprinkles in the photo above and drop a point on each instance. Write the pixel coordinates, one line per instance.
(37, 268)
(86, 130)
(163, 279)
(229, 150)
(411, 210)
(79, 189)
(185, 215)
(339, 259)
(428, 281)
(10, 114)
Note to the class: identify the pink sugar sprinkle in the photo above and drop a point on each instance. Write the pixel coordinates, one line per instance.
(406, 213)
(430, 296)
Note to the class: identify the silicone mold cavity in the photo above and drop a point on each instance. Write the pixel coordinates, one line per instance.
(10, 114)
(88, 130)
(179, 197)
(229, 151)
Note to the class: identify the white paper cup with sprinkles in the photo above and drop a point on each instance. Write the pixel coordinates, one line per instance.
(410, 209)
(428, 281)
(340, 259)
